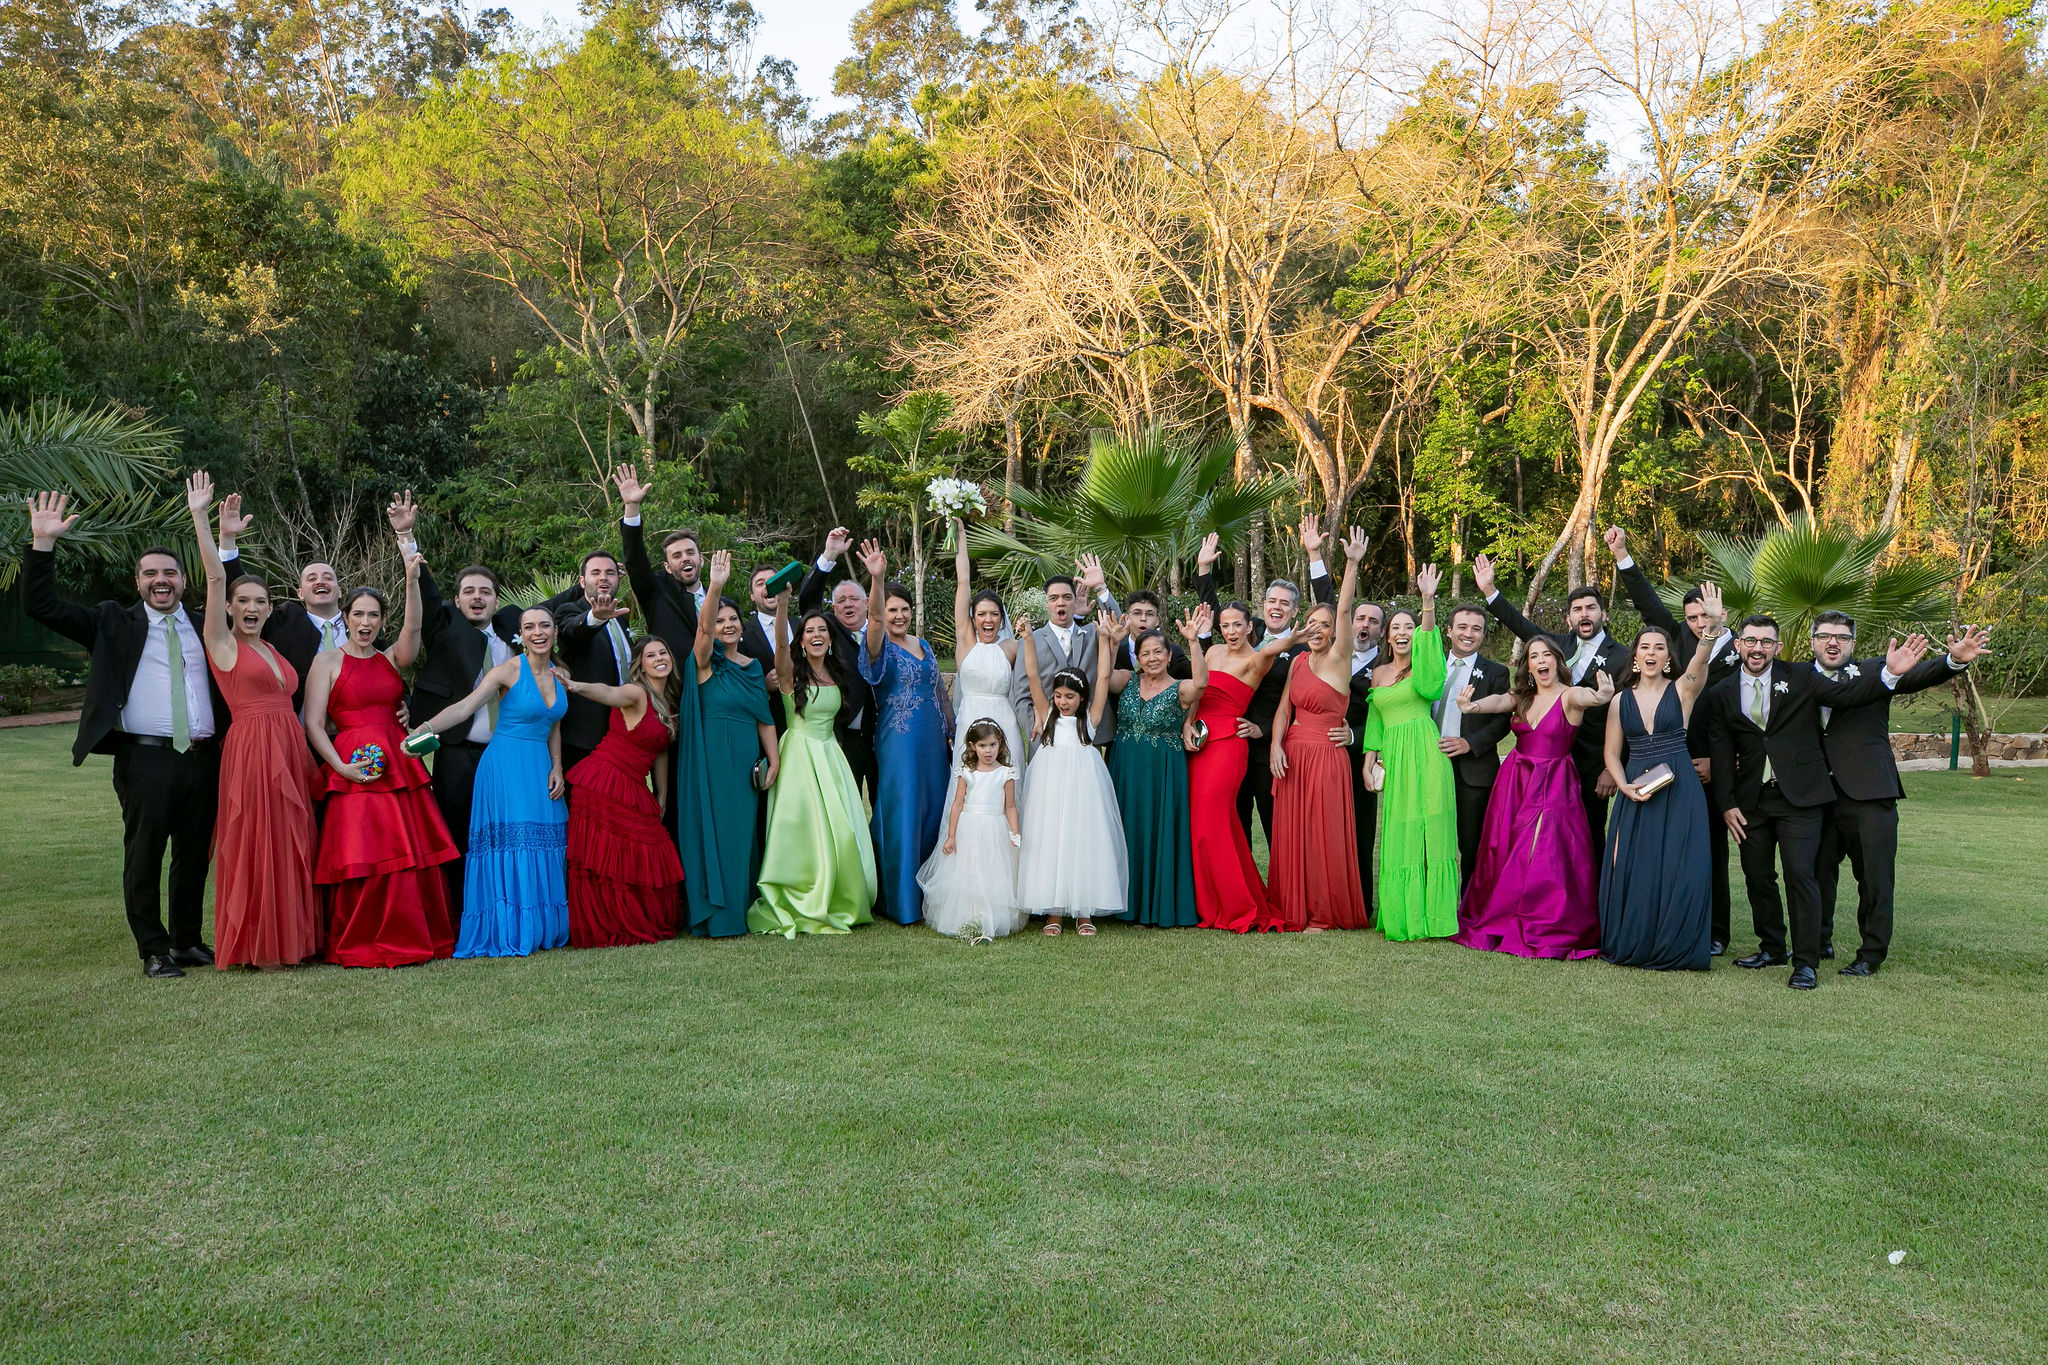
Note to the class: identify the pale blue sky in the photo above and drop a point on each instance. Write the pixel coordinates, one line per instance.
(811, 33)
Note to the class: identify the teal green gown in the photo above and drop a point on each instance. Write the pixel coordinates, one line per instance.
(818, 871)
(717, 746)
(1418, 803)
(1150, 770)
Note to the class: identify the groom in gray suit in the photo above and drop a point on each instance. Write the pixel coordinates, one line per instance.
(1065, 641)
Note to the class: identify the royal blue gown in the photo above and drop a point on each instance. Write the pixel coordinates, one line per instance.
(911, 782)
(1656, 897)
(515, 888)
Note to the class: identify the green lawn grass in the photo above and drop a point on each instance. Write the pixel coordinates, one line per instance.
(1151, 1147)
(1929, 713)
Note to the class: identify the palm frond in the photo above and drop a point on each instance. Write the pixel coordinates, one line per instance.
(114, 466)
(1794, 573)
(539, 590)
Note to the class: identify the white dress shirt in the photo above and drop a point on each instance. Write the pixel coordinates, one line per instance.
(1363, 659)
(148, 708)
(767, 620)
(496, 651)
(1065, 635)
(333, 630)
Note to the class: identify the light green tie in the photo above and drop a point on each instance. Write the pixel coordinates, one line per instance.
(329, 631)
(1760, 712)
(622, 653)
(174, 651)
(1585, 648)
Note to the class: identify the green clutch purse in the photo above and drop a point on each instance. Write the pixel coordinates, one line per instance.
(786, 578)
(421, 743)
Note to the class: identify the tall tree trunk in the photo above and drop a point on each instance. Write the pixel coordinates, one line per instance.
(1013, 458)
(1905, 453)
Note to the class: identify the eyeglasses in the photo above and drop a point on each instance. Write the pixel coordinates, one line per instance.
(1835, 637)
(1763, 640)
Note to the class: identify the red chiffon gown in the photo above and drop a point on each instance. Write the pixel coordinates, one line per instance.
(1314, 874)
(625, 879)
(265, 910)
(1228, 892)
(382, 843)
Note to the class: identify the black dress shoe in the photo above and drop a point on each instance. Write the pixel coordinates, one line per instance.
(1828, 952)
(198, 955)
(1859, 968)
(1802, 979)
(160, 967)
(1763, 958)
(1716, 949)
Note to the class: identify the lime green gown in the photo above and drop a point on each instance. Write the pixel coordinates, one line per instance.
(818, 870)
(1418, 880)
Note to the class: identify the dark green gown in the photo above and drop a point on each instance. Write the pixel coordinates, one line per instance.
(1150, 771)
(717, 746)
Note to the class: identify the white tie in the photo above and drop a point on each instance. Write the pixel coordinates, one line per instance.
(1454, 682)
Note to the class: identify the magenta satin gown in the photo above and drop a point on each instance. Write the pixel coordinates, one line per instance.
(1535, 891)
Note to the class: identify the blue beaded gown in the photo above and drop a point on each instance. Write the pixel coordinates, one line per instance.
(912, 781)
(1656, 897)
(515, 887)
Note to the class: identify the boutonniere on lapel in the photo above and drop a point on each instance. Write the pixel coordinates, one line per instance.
(1852, 671)
(1782, 687)
(1599, 661)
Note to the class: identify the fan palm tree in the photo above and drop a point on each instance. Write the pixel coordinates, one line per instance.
(1796, 572)
(113, 465)
(1143, 506)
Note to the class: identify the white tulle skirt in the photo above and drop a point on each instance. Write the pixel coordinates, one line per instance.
(972, 891)
(1073, 861)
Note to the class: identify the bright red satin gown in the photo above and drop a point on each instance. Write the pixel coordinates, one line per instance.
(625, 878)
(382, 843)
(1314, 873)
(265, 910)
(1228, 892)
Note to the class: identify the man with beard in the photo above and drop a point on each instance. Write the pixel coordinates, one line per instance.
(1586, 648)
(848, 618)
(1276, 614)
(593, 644)
(460, 641)
(668, 600)
(151, 703)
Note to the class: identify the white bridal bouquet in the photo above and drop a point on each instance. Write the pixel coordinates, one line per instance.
(956, 497)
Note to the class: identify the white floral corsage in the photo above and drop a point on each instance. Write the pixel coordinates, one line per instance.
(1782, 687)
(1852, 671)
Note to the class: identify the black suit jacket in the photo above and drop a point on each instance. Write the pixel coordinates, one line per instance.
(1792, 740)
(1651, 607)
(114, 636)
(1360, 705)
(587, 654)
(1589, 745)
(452, 650)
(856, 720)
(1483, 733)
(667, 608)
(1857, 739)
(1266, 697)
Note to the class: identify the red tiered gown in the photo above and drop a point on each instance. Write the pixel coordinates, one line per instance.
(625, 879)
(1313, 881)
(265, 910)
(381, 843)
(1228, 892)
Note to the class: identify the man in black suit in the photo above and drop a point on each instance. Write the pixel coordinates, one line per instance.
(1275, 616)
(1472, 743)
(1770, 779)
(1863, 824)
(1142, 613)
(303, 628)
(1368, 621)
(848, 619)
(151, 703)
(460, 641)
(1685, 639)
(593, 644)
(1587, 649)
(668, 600)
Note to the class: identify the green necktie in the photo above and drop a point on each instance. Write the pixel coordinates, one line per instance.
(1760, 711)
(174, 651)
(328, 632)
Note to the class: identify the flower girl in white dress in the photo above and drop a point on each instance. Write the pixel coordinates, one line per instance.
(1074, 861)
(970, 881)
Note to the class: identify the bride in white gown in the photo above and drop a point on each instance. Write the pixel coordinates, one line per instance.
(983, 662)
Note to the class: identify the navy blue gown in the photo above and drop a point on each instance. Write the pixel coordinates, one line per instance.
(1656, 896)
(911, 780)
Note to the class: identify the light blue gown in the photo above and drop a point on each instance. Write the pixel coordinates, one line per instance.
(515, 893)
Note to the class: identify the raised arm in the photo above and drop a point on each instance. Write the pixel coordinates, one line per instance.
(1354, 552)
(219, 637)
(406, 648)
(1205, 576)
(963, 589)
(1497, 601)
(1027, 653)
(1694, 679)
(816, 583)
(1637, 585)
(1499, 704)
(1109, 632)
(877, 565)
(1193, 627)
(494, 681)
(719, 569)
(633, 538)
(785, 665)
(622, 697)
(1313, 539)
(47, 525)
(1426, 580)
(1579, 700)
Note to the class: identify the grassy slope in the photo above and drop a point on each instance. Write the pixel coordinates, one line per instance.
(1155, 1146)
